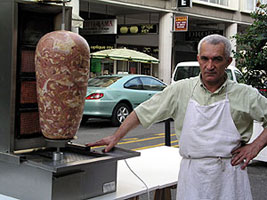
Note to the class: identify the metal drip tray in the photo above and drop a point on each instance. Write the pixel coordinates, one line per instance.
(80, 174)
(73, 156)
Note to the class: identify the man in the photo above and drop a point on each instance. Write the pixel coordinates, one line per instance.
(213, 118)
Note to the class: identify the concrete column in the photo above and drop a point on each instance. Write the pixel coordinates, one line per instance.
(165, 46)
(230, 31)
(75, 4)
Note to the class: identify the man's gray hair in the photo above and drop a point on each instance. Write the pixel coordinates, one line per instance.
(216, 39)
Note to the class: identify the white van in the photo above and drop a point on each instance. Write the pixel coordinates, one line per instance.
(191, 68)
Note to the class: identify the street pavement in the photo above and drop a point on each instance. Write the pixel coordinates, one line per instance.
(257, 172)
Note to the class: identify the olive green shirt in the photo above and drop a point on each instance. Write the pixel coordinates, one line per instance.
(246, 104)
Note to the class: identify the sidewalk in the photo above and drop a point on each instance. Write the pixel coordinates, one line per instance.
(257, 172)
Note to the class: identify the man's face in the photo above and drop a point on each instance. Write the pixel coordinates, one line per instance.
(213, 63)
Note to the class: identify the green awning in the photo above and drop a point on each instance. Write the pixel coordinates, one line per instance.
(126, 55)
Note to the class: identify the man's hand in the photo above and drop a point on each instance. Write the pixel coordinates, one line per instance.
(109, 141)
(244, 154)
(249, 151)
(129, 123)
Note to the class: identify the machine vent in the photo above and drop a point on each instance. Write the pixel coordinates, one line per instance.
(29, 123)
(28, 92)
(27, 61)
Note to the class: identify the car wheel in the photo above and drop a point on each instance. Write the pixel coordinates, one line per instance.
(121, 111)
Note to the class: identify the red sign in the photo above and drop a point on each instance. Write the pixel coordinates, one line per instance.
(181, 23)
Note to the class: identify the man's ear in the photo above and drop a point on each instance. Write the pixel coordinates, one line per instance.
(198, 57)
(230, 59)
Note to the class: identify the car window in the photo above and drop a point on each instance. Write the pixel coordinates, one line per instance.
(152, 84)
(134, 83)
(186, 72)
(239, 77)
(102, 81)
(229, 74)
(195, 71)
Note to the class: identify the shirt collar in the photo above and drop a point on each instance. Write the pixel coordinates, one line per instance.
(220, 89)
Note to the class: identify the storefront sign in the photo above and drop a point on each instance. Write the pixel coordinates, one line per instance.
(181, 23)
(95, 48)
(138, 29)
(101, 26)
(184, 3)
(145, 49)
(198, 35)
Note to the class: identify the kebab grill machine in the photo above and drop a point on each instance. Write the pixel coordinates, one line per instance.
(38, 158)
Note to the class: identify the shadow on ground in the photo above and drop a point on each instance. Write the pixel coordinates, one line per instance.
(97, 123)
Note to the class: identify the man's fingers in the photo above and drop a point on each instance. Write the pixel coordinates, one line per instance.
(110, 142)
(109, 147)
(236, 151)
(90, 144)
(246, 161)
(98, 143)
(236, 159)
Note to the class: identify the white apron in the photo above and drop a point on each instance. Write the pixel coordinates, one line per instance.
(208, 136)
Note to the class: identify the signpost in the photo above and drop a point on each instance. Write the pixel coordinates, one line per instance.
(184, 3)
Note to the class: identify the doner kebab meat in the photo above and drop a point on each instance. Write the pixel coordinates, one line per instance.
(62, 60)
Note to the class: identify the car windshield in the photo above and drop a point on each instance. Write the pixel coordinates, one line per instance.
(186, 72)
(102, 81)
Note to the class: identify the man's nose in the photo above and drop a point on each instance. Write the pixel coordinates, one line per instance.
(210, 65)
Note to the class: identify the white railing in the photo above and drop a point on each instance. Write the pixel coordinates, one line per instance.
(250, 5)
(219, 2)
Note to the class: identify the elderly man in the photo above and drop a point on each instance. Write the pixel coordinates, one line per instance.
(213, 119)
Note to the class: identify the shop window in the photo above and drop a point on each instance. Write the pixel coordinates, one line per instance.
(95, 68)
(122, 67)
(145, 69)
(100, 67)
(133, 68)
(107, 67)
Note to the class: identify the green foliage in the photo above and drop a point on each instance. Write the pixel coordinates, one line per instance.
(251, 54)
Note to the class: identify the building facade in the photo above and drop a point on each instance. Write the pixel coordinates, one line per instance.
(157, 27)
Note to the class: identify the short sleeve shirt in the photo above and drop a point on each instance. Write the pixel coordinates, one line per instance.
(246, 104)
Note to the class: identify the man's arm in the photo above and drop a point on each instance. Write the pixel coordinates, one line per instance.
(129, 123)
(249, 151)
